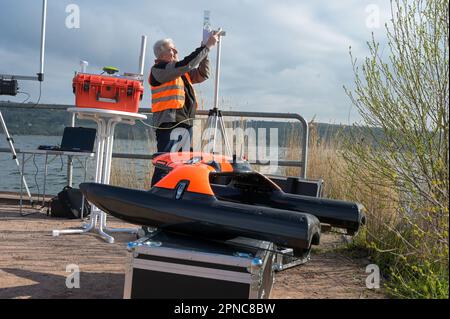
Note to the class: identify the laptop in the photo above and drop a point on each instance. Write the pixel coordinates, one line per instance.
(75, 139)
(78, 139)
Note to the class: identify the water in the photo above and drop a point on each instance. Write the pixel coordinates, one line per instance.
(130, 172)
(57, 165)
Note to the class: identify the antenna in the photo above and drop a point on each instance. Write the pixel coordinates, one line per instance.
(40, 75)
(142, 55)
(43, 29)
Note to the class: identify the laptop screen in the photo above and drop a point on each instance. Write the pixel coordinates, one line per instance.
(78, 139)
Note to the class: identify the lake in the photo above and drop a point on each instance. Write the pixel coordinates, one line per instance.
(126, 172)
(57, 165)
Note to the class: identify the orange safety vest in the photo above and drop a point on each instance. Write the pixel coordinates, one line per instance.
(170, 95)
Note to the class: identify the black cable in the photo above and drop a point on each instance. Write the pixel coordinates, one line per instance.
(27, 94)
(52, 159)
(40, 94)
(35, 177)
(62, 162)
(80, 162)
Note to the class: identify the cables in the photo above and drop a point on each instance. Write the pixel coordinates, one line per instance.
(84, 166)
(35, 176)
(166, 128)
(40, 94)
(27, 94)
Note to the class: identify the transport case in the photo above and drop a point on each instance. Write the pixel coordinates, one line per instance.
(164, 265)
(116, 93)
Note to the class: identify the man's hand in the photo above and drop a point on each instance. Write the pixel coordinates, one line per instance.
(213, 39)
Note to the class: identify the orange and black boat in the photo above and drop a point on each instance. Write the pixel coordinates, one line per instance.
(220, 197)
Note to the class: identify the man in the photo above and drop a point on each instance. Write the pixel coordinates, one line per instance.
(173, 97)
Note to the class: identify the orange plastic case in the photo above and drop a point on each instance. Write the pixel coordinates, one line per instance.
(107, 92)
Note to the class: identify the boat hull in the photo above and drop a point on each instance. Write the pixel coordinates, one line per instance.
(205, 216)
(337, 213)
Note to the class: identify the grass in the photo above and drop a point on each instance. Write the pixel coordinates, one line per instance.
(413, 261)
(131, 173)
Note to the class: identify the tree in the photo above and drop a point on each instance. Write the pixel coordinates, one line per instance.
(406, 94)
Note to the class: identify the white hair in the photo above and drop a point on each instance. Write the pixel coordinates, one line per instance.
(159, 46)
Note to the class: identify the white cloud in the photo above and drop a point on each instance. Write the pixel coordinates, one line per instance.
(287, 56)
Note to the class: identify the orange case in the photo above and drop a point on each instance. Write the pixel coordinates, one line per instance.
(107, 92)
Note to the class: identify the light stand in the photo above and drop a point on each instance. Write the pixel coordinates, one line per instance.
(10, 141)
(8, 86)
(215, 119)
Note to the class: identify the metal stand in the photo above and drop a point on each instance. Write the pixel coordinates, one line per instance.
(106, 122)
(215, 122)
(215, 119)
(14, 157)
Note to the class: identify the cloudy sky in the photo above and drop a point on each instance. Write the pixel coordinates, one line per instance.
(282, 56)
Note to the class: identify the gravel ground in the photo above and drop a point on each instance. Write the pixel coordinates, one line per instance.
(33, 263)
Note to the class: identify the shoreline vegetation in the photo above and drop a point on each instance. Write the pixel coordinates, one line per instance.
(402, 87)
(25, 120)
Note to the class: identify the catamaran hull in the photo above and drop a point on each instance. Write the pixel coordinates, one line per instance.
(337, 213)
(205, 216)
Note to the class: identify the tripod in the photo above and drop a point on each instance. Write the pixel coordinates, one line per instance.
(215, 119)
(10, 141)
(215, 122)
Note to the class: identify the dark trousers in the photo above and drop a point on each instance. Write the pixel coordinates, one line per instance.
(171, 140)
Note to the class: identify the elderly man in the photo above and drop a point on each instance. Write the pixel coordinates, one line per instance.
(173, 97)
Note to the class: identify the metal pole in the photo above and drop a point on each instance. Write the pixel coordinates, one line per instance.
(44, 20)
(216, 119)
(305, 150)
(45, 178)
(228, 149)
(216, 87)
(21, 182)
(40, 75)
(69, 159)
(14, 155)
(142, 55)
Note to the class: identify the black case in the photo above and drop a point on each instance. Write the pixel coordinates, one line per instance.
(166, 265)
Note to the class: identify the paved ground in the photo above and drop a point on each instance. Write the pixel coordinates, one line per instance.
(33, 263)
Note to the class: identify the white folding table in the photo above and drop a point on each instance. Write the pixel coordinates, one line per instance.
(106, 122)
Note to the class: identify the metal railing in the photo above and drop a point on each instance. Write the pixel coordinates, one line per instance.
(303, 142)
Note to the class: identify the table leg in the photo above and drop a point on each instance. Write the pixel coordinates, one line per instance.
(107, 174)
(95, 212)
(45, 178)
(21, 182)
(101, 136)
(102, 222)
(109, 149)
(85, 229)
(105, 141)
(69, 170)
